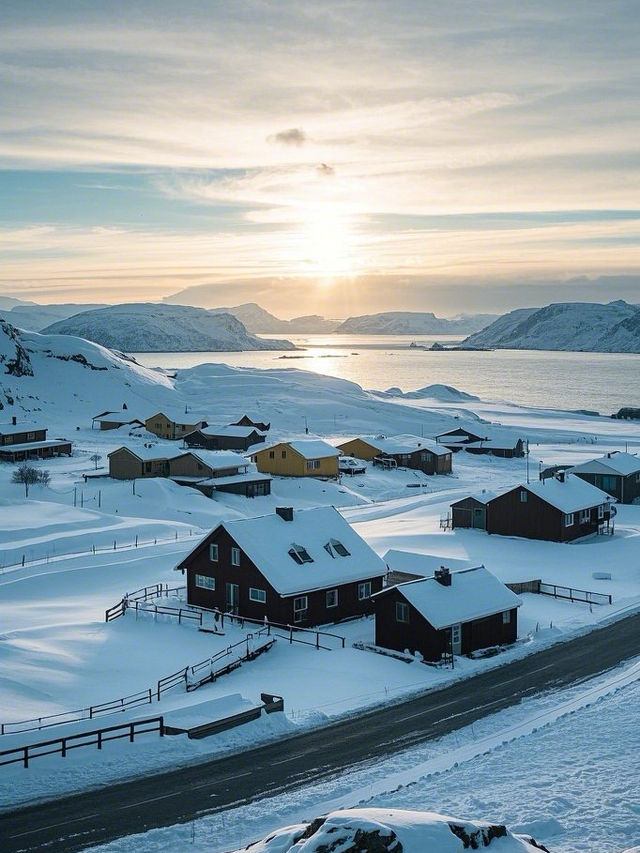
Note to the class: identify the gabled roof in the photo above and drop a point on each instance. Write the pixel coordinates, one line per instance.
(488, 435)
(572, 495)
(312, 448)
(218, 460)
(474, 594)
(232, 431)
(617, 463)
(404, 443)
(150, 454)
(267, 540)
(420, 564)
(179, 417)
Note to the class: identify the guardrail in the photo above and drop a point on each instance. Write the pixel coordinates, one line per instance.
(63, 745)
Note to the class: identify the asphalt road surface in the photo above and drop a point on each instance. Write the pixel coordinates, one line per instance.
(79, 821)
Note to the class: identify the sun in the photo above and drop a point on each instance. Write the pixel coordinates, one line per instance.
(327, 241)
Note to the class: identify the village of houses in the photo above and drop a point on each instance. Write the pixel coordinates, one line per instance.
(291, 601)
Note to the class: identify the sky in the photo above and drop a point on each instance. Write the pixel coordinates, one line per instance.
(319, 156)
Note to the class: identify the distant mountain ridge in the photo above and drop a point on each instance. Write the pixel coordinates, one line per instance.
(157, 327)
(37, 317)
(565, 326)
(413, 323)
(258, 320)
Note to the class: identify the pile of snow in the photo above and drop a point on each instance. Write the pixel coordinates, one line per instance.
(580, 326)
(148, 327)
(394, 830)
(442, 393)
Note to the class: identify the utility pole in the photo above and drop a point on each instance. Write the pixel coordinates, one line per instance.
(75, 495)
(527, 457)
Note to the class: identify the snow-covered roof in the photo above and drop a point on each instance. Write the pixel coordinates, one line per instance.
(498, 437)
(218, 459)
(311, 448)
(120, 418)
(179, 417)
(572, 495)
(617, 462)
(484, 496)
(246, 477)
(149, 454)
(267, 540)
(420, 564)
(33, 445)
(231, 431)
(406, 444)
(13, 429)
(473, 594)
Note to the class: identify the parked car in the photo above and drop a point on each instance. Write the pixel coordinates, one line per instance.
(348, 465)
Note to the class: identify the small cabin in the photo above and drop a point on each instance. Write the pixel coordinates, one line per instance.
(401, 451)
(246, 421)
(21, 442)
(174, 425)
(449, 613)
(616, 473)
(299, 567)
(485, 440)
(230, 437)
(303, 458)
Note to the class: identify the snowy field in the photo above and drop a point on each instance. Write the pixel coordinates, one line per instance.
(71, 550)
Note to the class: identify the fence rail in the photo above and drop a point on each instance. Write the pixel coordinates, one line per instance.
(145, 593)
(540, 587)
(97, 737)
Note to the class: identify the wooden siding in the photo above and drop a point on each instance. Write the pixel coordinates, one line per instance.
(286, 462)
(161, 426)
(9, 454)
(469, 512)
(22, 437)
(358, 449)
(277, 608)
(421, 460)
(626, 489)
(222, 442)
(418, 635)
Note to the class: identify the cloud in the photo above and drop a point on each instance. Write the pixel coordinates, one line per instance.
(294, 136)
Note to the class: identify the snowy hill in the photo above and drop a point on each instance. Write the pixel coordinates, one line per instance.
(394, 830)
(579, 326)
(147, 327)
(413, 323)
(37, 317)
(257, 320)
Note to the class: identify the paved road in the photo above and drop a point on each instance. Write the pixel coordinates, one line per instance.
(76, 822)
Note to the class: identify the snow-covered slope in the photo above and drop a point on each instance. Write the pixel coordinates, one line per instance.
(581, 326)
(394, 830)
(37, 317)
(412, 323)
(148, 327)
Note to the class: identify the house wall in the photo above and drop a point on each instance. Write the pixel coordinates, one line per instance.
(161, 426)
(535, 519)
(359, 449)
(249, 489)
(276, 608)
(189, 466)
(422, 460)
(23, 437)
(491, 631)
(8, 454)
(287, 463)
(462, 514)
(626, 489)
(123, 465)
(222, 442)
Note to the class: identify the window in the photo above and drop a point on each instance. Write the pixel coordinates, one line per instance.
(147, 466)
(300, 606)
(333, 547)
(31, 436)
(235, 556)
(568, 520)
(364, 590)
(272, 454)
(283, 454)
(312, 464)
(601, 512)
(205, 582)
(506, 617)
(585, 516)
(259, 595)
(300, 554)
(402, 611)
(213, 552)
(523, 496)
(331, 598)
(609, 483)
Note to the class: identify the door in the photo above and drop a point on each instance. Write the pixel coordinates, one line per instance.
(479, 518)
(456, 639)
(232, 598)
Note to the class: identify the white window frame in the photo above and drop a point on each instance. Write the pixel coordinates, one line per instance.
(568, 519)
(299, 612)
(257, 595)
(205, 582)
(235, 556)
(364, 590)
(585, 516)
(402, 608)
(334, 594)
(214, 552)
(506, 617)
(600, 512)
(524, 496)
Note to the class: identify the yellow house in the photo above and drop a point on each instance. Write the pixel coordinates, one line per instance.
(174, 425)
(304, 458)
(359, 449)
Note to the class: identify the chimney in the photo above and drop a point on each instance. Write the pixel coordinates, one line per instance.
(443, 576)
(560, 476)
(285, 512)
(14, 420)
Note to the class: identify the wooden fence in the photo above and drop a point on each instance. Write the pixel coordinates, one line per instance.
(145, 593)
(97, 737)
(540, 587)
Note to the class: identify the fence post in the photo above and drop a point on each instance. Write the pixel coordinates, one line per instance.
(317, 640)
(131, 725)
(290, 635)
(26, 756)
(136, 540)
(99, 740)
(63, 751)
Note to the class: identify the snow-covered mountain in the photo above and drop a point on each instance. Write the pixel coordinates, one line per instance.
(37, 317)
(148, 327)
(580, 326)
(368, 830)
(258, 320)
(413, 323)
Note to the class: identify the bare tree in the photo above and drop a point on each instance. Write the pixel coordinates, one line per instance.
(95, 458)
(28, 475)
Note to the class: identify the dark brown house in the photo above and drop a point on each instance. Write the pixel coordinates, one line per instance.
(557, 509)
(400, 451)
(304, 567)
(20, 442)
(246, 421)
(224, 437)
(617, 474)
(454, 612)
(487, 440)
